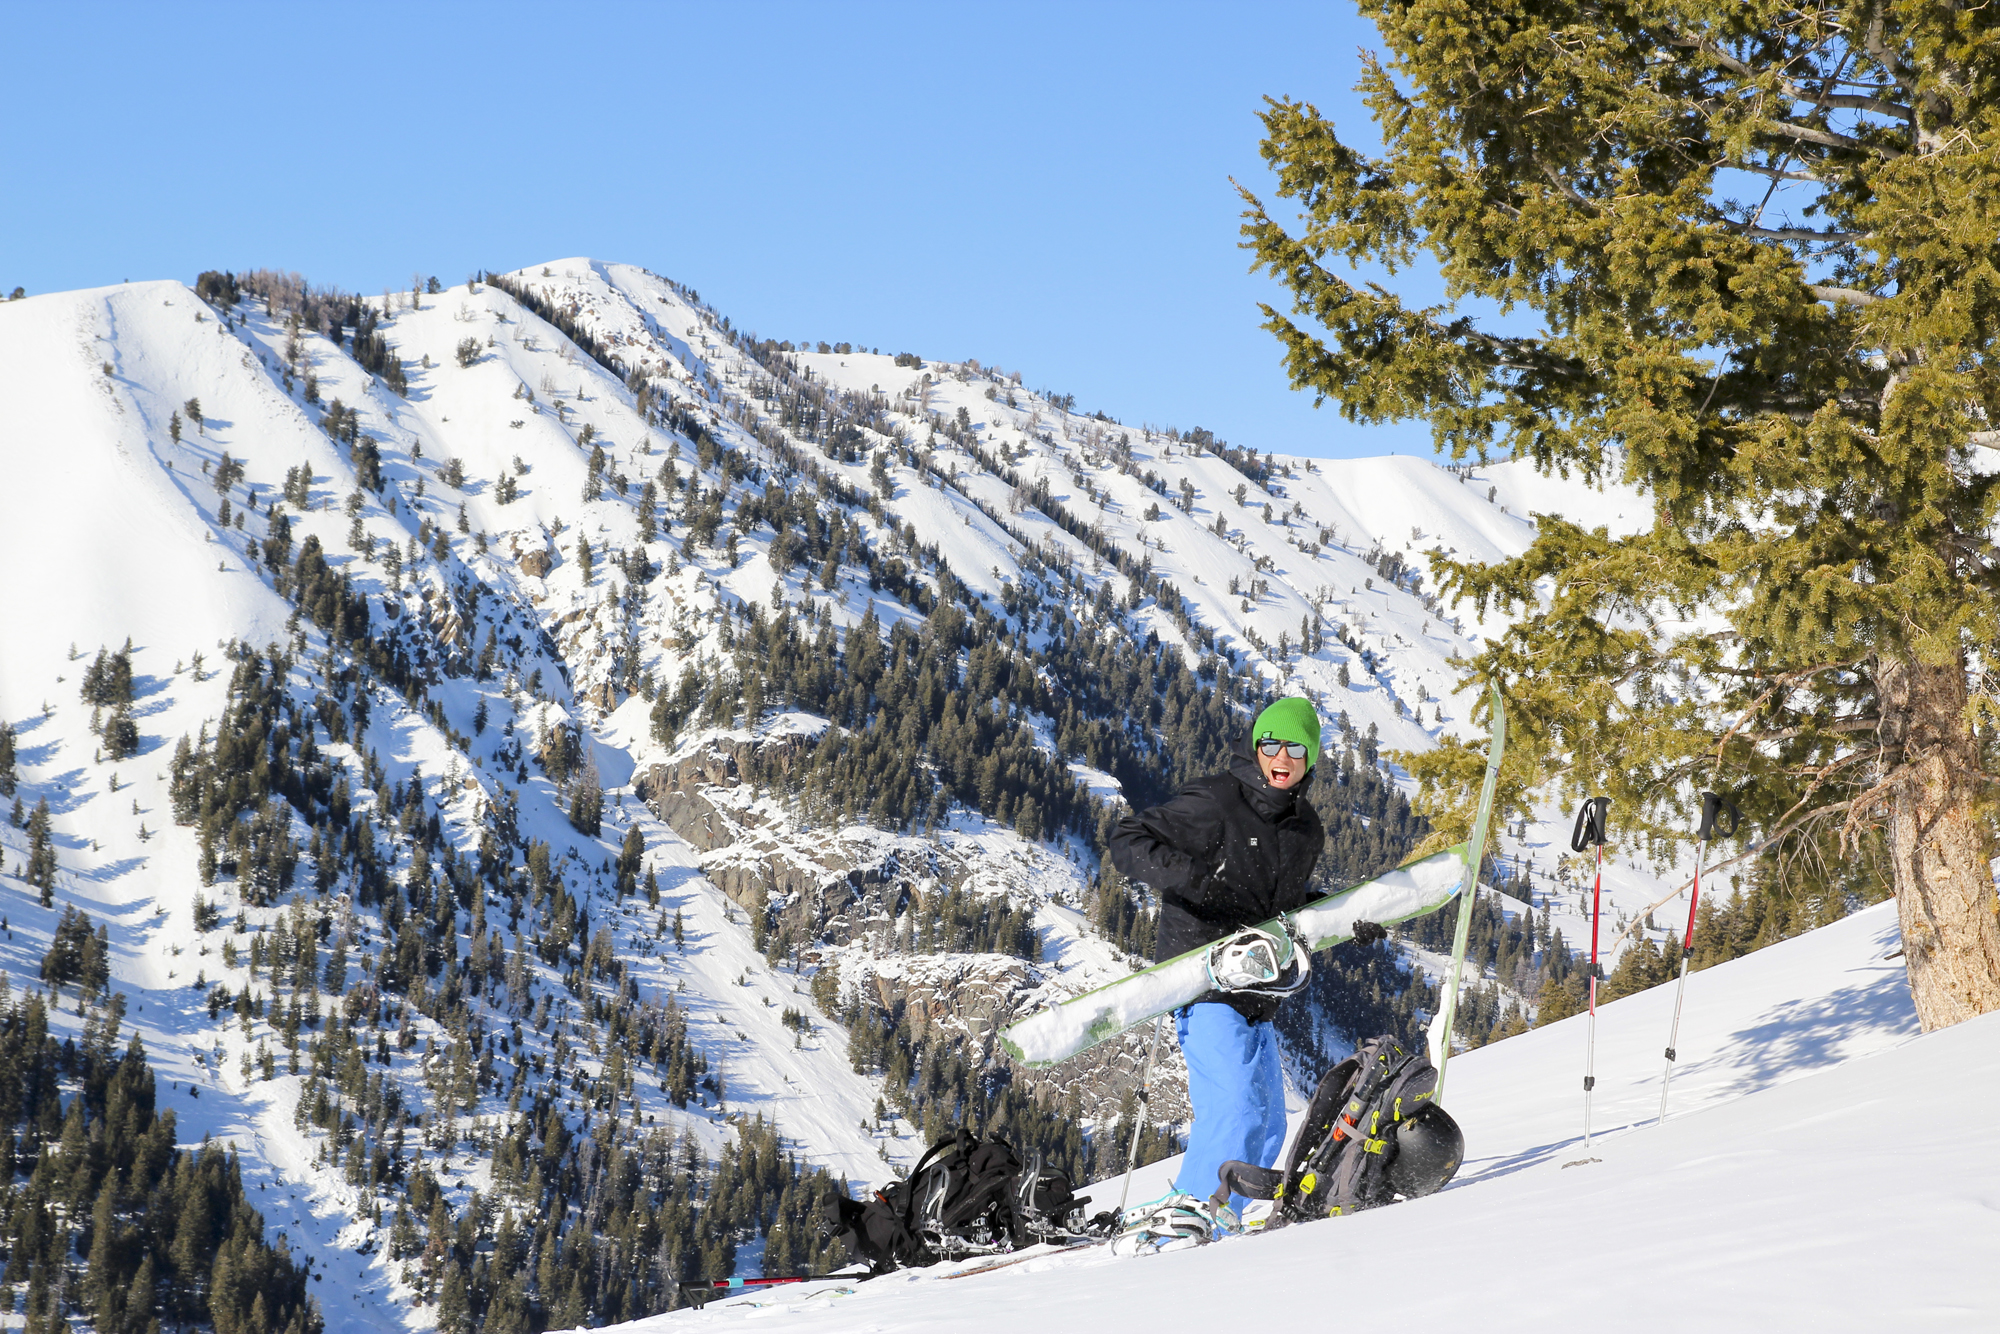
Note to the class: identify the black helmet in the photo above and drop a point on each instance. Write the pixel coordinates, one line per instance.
(1429, 1148)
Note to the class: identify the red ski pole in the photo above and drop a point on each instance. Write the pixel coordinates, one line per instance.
(1712, 808)
(1589, 832)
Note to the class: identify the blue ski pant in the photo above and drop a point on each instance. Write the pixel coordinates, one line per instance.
(1237, 1089)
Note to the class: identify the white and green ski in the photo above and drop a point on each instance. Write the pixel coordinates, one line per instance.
(1411, 890)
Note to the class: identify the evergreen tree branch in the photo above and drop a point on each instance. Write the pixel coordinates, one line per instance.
(1793, 234)
(1773, 173)
(1825, 138)
(1794, 89)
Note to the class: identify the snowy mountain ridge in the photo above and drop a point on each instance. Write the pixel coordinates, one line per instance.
(443, 566)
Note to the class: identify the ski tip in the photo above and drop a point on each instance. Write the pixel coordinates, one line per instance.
(1017, 1056)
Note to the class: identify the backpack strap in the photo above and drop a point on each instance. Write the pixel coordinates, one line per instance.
(908, 1204)
(1321, 1112)
(1249, 1180)
(1382, 1062)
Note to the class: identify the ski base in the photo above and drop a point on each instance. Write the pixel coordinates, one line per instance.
(1062, 1031)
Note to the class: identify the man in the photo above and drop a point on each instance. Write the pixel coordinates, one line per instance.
(1231, 850)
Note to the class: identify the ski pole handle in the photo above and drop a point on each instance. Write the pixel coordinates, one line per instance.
(1719, 817)
(1590, 824)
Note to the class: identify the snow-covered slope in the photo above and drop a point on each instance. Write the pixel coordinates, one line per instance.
(1823, 1167)
(510, 449)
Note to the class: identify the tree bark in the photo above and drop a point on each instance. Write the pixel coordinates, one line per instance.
(1939, 843)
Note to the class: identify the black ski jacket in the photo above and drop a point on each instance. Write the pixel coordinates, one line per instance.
(1229, 851)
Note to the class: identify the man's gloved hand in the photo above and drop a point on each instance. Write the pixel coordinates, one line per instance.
(1367, 933)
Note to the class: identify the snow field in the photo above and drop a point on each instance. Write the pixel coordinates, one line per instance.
(1809, 1176)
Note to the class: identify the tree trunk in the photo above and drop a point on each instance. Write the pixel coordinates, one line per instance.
(1939, 842)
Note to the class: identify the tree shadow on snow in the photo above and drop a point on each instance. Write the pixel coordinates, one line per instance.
(65, 797)
(36, 756)
(1480, 1170)
(108, 872)
(29, 723)
(1802, 1036)
(1788, 1040)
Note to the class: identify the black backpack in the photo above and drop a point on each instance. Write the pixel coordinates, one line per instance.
(1046, 1205)
(966, 1197)
(1372, 1134)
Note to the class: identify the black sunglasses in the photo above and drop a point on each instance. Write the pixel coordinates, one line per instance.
(1292, 748)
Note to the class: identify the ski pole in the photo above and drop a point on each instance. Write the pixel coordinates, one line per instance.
(1589, 832)
(1712, 808)
(1139, 1116)
(1475, 853)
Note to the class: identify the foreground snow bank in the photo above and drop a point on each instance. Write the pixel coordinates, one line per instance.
(1824, 1167)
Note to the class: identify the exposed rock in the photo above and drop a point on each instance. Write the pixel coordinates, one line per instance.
(940, 996)
(538, 563)
(975, 994)
(825, 889)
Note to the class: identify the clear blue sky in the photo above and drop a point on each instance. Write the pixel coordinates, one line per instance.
(1044, 187)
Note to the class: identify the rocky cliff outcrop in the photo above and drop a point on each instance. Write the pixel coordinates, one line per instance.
(840, 898)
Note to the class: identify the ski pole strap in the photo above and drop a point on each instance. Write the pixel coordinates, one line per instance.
(1590, 824)
(1719, 817)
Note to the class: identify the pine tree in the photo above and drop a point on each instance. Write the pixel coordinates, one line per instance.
(121, 734)
(649, 504)
(1558, 1000)
(42, 853)
(100, 1280)
(454, 1312)
(586, 802)
(630, 855)
(1798, 397)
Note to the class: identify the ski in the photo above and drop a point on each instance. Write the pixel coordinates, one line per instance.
(700, 1292)
(1474, 853)
(1080, 1023)
(795, 1299)
(1023, 1259)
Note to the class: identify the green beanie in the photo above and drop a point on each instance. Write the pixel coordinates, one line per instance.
(1290, 720)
